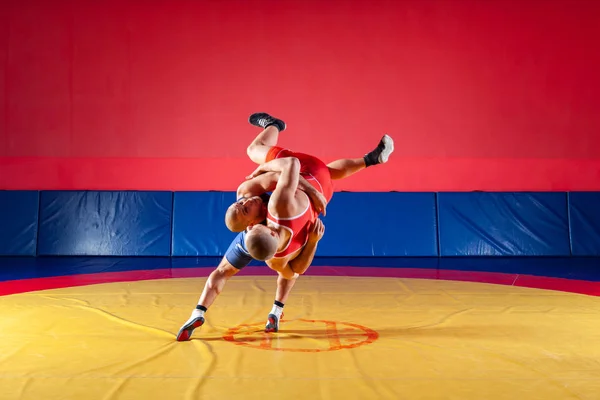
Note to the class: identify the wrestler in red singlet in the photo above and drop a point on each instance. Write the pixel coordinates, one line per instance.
(317, 173)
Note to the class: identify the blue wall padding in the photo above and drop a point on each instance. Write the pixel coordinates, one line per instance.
(105, 223)
(357, 224)
(199, 223)
(584, 210)
(503, 224)
(18, 222)
(384, 224)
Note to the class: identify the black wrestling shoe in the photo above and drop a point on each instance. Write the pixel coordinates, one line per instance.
(264, 120)
(382, 152)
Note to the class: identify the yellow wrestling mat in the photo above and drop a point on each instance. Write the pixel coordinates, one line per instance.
(341, 338)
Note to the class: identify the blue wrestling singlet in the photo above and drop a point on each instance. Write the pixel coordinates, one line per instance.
(236, 254)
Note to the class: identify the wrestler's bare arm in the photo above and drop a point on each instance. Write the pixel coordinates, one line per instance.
(267, 182)
(283, 201)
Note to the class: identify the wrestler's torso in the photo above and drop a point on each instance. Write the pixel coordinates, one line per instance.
(292, 227)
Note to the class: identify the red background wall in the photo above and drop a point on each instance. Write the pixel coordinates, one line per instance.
(488, 95)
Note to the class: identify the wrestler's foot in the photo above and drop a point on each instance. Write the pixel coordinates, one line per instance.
(382, 152)
(264, 120)
(272, 323)
(188, 328)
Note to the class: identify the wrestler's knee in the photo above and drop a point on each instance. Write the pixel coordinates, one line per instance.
(225, 270)
(258, 152)
(288, 273)
(220, 275)
(251, 149)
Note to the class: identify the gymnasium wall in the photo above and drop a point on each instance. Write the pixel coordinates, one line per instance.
(128, 95)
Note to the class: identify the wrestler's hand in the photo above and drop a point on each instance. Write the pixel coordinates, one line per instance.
(258, 171)
(319, 201)
(316, 232)
(271, 166)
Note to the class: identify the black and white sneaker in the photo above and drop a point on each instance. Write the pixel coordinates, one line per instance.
(264, 120)
(386, 145)
(382, 152)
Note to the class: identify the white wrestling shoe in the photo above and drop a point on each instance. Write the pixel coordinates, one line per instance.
(188, 328)
(387, 147)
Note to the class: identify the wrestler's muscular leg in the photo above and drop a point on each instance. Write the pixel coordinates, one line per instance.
(345, 167)
(215, 283)
(340, 169)
(284, 287)
(258, 149)
(212, 288)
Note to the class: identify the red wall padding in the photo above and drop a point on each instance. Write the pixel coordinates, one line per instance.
(490, 95)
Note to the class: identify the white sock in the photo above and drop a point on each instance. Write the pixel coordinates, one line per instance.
(195, 314)
(277, 310)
